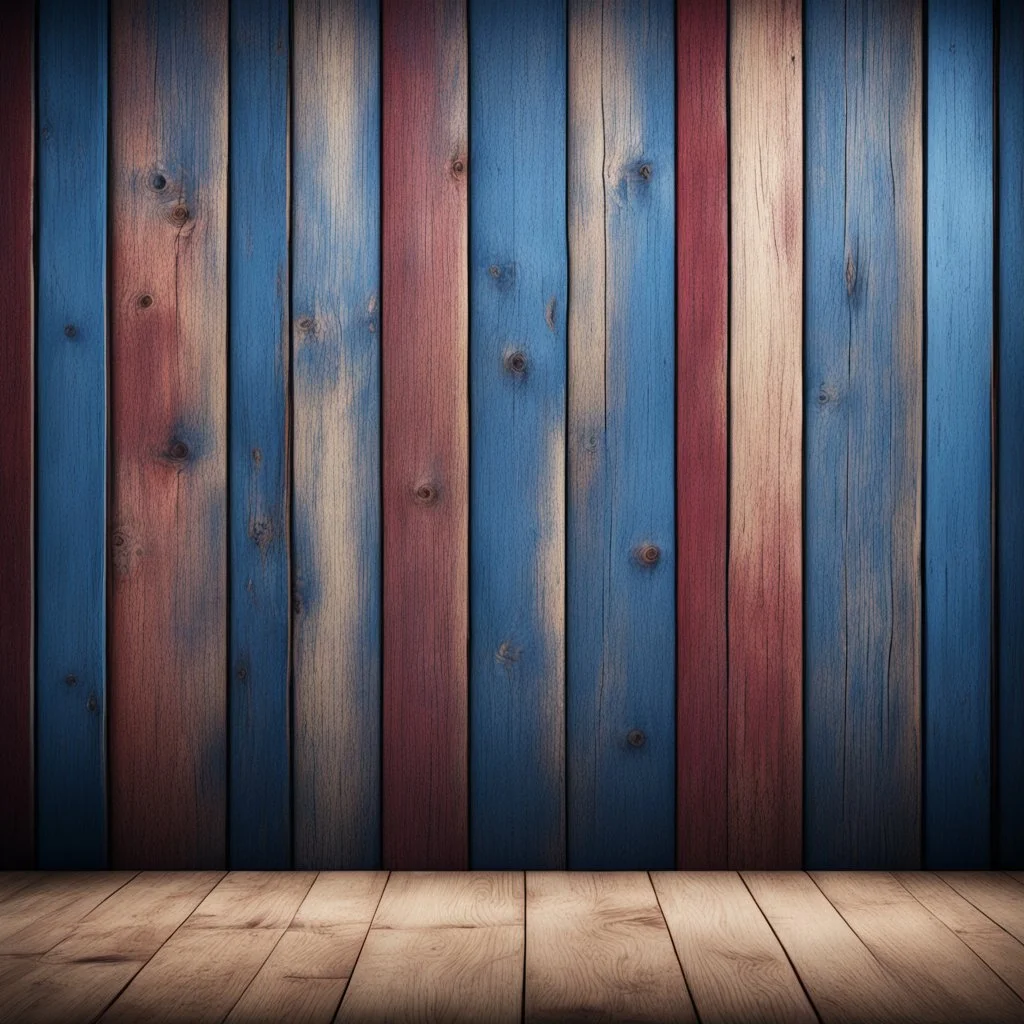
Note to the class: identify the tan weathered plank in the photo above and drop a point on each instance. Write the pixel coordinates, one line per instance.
(1001, 951)
(442, 947)
(597, 949)
(305, 976)
(934, 967)
(993, 895)
(734, 965)
(202, 970)
(844, 981)
(14, 881)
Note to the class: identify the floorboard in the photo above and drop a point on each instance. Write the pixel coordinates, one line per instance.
(994, 896)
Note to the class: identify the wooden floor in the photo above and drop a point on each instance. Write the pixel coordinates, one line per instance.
(483, 947)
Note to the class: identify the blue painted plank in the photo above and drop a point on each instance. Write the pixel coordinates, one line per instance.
(1011, 435)
(71, 690)
(517, 422)
(863, 320)
(621, 521)
(958, 451)
(336, 375)
(259, 824)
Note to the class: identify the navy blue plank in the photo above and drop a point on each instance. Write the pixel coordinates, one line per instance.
(958, 450)
(864, 286)
(621, 523)
(71, 360)
(517, 424)
(259, 824)
(1011, 435)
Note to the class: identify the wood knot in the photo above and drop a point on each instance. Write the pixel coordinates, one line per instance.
(179, 213)
(458, 167)
(827, 394)
(507, 652)
(71, 680)
(426, 494)
(635, 738)
(549, 313)
(145, 301)
(92, 704)
(177, 450)
(648, 555)
(70, 331)
(158, 182)
(645, 171)
(261, 532)
(307, 325)
(257, 456)
(242, 672)
(515, 363)
(851, 274)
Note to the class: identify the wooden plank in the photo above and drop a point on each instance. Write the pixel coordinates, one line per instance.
(702, 345)
(864, 317)
(946, 981)
(517, 475)
(765, 540)
(1017, 876)
(734, 965)
(621, 516)
(81, 976)
(958, 436)
(444, 948)
(200, 972)
(337, 434)
(71, 370)
(425, 416)
(42, 914)
(12, 882)
(1003, 953)
(838, 972)
(17, 75)
(306, 974)
(994, 895)
(1010, 539)
(259, 824)
(597, 949)
(168, 595)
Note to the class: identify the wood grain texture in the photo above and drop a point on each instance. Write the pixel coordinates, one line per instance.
(945, 980)
(200, 972)
(517, 475)
(305, 976)
(336, 501)
(994, 895)
(442, 947)
(17, 112)
(621, 530)
(765, 585)
(259, 822)
(597, 949)
(996, 946)
(1010, 538)
(425, 418)
(71, 422)
(958, 436)
(168, 550)
(840, 975)
(702, 347)
(735, 968)
(863, 408)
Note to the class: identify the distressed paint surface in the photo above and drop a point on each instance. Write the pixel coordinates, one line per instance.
(17, 44)
(425, 417)
(517, 378)
(168, 544)
(71, 370)
(336, 346)
(702, 345)
(259, 823)
(958, 435)
(1011, 435)
(765, 585)
(863, 407)
(621, 761)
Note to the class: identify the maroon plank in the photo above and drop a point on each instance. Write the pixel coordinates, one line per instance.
(425, 417)
(17, 37)
(702, 295)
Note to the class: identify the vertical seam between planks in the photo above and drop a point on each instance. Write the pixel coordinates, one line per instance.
(922, 560)
(728, 407)
(369, 925)
(995, 818)
(380, 449)
(289, 455)
(675, 948)
(228, 518)
(109, 443)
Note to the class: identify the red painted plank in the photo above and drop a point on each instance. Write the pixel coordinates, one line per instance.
(168, 589)
(702, 296)
(425, 433)
(17, 35)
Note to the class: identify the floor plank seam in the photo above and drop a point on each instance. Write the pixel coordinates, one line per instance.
(366, 935)
(675, 949)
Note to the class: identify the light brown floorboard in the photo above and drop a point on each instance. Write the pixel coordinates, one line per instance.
(994, 895)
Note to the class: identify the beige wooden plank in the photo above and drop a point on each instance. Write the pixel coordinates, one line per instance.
(305, 976)
(597, 948)
(844, 981)
(734, 965)
(442, 947)
(206, 965)
(46, 911)
(936, 969)
(1000, 950)
(14, 881)
(1017, 875)
(993, 894)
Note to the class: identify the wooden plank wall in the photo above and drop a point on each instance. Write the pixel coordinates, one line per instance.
(462, 463)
